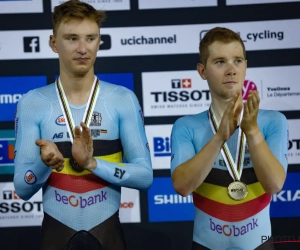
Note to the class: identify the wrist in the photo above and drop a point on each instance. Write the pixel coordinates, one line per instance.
(252, 132)
(92, 165)
(219, 139)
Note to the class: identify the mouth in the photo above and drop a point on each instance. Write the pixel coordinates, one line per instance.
(230, 83)
(81, 59)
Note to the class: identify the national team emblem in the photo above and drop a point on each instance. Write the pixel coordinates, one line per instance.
(96, 119)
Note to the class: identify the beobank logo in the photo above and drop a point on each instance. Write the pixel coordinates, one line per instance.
(80, 201)
(61, 121)
(248, 85)
(233, 230)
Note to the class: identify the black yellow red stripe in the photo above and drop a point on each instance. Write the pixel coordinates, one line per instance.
(76, 184)
(220, 194)
(231, 213)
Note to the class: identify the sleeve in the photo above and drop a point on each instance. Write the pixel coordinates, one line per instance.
(182, 148)
(30, 172)
(137, 173)
(277, 137)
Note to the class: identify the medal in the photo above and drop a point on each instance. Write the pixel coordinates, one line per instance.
(68, 115)
(237, 190)
(75, 166)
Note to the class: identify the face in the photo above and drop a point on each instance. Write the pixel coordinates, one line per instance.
(77, 43)
(225, 69)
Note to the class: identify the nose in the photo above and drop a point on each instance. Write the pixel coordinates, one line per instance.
(231, 71)
(81, 47)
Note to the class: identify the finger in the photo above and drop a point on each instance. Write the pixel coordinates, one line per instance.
(250, 104)
(40, 143)
(54, 161)
(58, 167)
(238, 111)
(246, 110)
(255, 100)
(77, 132)
(90, 144)
(231, 105)
(85, 131)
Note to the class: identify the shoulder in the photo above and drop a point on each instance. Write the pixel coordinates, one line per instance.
(111, 90)
(39, 96)
(191, 122)
(272, 120)
(270, 116)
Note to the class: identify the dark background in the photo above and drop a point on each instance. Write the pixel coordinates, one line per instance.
(145, 235)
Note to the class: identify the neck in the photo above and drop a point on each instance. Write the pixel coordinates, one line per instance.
(77, 88)
(219, 106)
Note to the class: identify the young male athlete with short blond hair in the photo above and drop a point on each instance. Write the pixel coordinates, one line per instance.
(80, 169)
(232, 156)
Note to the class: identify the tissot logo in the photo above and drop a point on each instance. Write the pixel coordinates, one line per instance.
(173, 96)
(105, 42)
(31, 44)
(181, 83)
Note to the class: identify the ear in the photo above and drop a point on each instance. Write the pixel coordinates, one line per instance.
(52, 43)
(201, 70)
(99, 41)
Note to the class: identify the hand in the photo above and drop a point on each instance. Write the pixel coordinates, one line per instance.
(230, 118)
(82, 148)
(50, 154)
(251, 106)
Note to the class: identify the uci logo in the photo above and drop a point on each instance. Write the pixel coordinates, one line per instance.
(60, 120)
(30, 178)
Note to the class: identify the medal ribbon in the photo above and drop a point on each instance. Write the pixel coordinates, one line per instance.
(66, 108)
(235, 168)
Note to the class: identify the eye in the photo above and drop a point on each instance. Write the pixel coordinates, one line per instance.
(91, 39)
(220, 62)
(72, 39)
(238, 60)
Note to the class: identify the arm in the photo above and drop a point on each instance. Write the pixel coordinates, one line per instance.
(30, 172)
(270, 171)
(137, 173)
(189, 169)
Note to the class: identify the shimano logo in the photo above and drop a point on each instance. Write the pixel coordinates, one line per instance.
(172, 199)
(8, 98)
(148, 40)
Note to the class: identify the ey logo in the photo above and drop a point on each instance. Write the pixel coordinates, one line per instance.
(248, 85)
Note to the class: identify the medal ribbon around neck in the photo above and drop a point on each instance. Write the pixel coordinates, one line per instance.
(66, 108)
(235, 168)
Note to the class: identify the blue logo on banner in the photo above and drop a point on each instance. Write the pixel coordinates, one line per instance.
(161, 146)
(11, 91)
(286, 203)
(166, 205)
(7, 144)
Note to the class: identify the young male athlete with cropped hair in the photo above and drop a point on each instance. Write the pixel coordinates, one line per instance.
(232, 156)
(71, 138)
